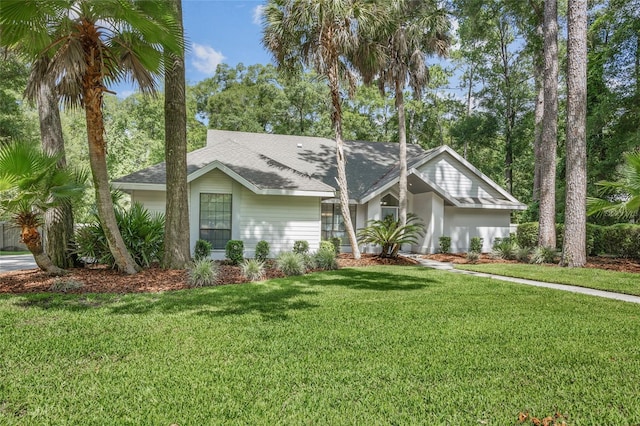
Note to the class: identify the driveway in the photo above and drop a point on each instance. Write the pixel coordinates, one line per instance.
(16, 262)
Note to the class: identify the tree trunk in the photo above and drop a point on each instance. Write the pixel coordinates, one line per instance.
(547, 229)
(402, 139)
(574, 245)
(58, 224)
(537, 138)
(176, 230)
(336, 119)
(33, 240)
(92, 92)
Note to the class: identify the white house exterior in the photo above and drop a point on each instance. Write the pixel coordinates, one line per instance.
(252, 187)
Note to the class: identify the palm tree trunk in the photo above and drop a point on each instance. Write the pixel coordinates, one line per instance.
(574, 244)
(92, 95)
(402, 139)
(33, 240)
(547, 229)
(176, 229)
(336, 119)
(58, 224)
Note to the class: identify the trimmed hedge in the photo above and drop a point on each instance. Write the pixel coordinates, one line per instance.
(620, 240)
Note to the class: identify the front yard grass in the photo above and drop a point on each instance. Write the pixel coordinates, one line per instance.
(619, 282)
(378, 345)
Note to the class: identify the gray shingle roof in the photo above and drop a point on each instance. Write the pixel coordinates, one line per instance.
(290, 162)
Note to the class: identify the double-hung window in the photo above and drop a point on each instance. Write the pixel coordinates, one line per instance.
(215, 219)
(333, 222)
(389, 207)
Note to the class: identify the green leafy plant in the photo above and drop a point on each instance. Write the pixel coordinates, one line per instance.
(390, 235)
(202, 250)
(234, 251)
(544, 255)
(523, 254)
(445, 244)
(262, 251)
(326, 245)
(301, 247)
(504, 248)
(337, 244)
(202, 272)
(291, 263)
(473, 257)
(252, 269)
(619, 199)
(325, 258)
(527, 234)
(476, 244)
(143, 235)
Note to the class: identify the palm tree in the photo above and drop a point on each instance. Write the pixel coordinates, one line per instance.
(89, 45)
(321, 34)
(31, 183)
(620, 199)
(176, 239)
(411, 31)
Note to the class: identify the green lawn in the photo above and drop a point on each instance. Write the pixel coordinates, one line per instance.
(8, 253)
(620, 282)
(380, 345)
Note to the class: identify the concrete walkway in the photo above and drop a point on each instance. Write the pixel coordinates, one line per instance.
(434, 264)
(16, 262)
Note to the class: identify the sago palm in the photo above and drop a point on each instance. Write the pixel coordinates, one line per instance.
(89, 45)
(619, 199)
(321, 34)
(31, 183)
(390, 234)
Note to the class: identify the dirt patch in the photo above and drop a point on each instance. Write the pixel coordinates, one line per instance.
(99, 279)
(598, 262)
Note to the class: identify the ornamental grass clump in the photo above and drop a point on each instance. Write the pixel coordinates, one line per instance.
(64, 285)
(505, 248)
(291, 263)
(253, 269)
(544, 255)
(325, 258)
(202, 273)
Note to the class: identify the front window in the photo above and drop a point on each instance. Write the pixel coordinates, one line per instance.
(333, 222)
(215, 219)
(389, 207)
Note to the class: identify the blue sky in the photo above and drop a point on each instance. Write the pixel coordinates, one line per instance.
(218, 31)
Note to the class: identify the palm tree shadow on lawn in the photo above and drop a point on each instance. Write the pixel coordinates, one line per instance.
(272, 301)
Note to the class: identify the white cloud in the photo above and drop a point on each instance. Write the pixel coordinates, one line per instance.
(258, 11)
(206, 59)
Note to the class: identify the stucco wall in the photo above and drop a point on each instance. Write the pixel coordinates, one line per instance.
(463, 224)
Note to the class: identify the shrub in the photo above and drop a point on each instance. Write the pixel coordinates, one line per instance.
(142, 232)
(64, 285)
(337, 244)
(544, 255)
(445, 244)
(291, 263)
(327, 245)
(325, 258)
(234, 251)
(504, 248)
(473, 256)
(523, 254)
(301, 247)
(476, 244)
(390, 235)
(202, 250)
(262, 250)
(527, 234)
(253, 269)
(202, 272)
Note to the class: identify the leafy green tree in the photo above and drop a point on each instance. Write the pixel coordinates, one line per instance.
(31, 183)
(90, 45)
(15, 123)
(321, 34)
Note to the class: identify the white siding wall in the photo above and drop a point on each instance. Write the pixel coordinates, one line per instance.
(463, 224)
(446, 172)
(430, 208)
(154, 201)
(279, 220)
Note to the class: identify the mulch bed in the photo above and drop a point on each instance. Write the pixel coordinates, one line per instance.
(598, 262)
(100, 279)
